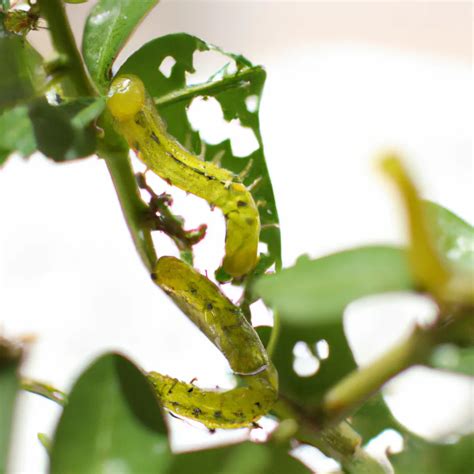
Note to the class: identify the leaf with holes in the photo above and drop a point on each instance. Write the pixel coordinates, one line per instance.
(10, 356)
(237, 88)
(108, 26)
(112, 423)
(248, 458)
(310, 298)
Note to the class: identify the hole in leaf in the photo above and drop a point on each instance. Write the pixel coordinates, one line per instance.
(322, 349)
(205, 116)
(251, 102)
(208, 65)
(305, 363)
(166, 66)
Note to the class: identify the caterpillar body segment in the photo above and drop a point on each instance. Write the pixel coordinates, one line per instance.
(235, 408)
(136, 118)
(226, 326)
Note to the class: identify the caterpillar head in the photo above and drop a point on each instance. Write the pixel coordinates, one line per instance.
(126, 97)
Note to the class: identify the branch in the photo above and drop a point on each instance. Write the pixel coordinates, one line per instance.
(65, 45)
(240, 78)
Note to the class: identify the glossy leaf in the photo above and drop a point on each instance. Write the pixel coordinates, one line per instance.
(318, 290)
(16, 133)
(10, 356)
(310, 298)
(232, 90)
(112, 423)
(248, 458)
(454, 237)
(107, 29)
(61, 132)
(22, 72)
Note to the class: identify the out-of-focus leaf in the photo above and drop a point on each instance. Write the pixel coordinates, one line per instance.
(453, 358)
(22, 70)
(318, 290)
(10, 356)
(16, 133)
(310, 299)
(112, 423)
(61, 131)
(454, 237)
(108, 26)
(420, 457)
(248, 458)
(233, 91)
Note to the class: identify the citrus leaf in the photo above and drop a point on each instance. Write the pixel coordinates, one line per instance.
(108, 26)
(310, 298)
(22, 70)
(16, 133)
(61, 131)
(10, 356)
(232, 90)
(248, 458)
(112, 423)
(319, 290)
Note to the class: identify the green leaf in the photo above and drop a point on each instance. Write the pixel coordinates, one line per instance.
(319, 290)
(232, 90)
(10, 356)
(421, 457)
(22, 70)
(248, 458)
(418, 456)
(108, 26)
(310, 299)
(453, 358)
(16, 133)
(61, 131)
(454, 237)
(112, 423)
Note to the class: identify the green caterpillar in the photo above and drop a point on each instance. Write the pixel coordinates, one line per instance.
(201, 300)
(225, 325)
(138, 121)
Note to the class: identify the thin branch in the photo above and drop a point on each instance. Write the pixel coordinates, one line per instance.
(239, 79)
(65, 45)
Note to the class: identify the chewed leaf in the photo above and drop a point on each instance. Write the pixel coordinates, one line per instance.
(164, 65)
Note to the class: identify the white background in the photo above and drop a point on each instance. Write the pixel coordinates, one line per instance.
(345, 81)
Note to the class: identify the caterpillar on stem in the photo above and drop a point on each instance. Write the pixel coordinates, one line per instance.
(224, 324)
(136, 118)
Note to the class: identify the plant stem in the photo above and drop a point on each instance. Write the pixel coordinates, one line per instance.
(65, 45)
(209, 88)
(340, 442)
(348, 394)
(133, 208)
